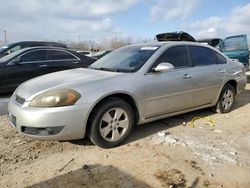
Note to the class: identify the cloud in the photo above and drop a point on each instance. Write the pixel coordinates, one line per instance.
(61, 19)
(173, 10)
(236, 23)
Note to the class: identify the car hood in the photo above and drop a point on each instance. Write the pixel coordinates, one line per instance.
(62, 79)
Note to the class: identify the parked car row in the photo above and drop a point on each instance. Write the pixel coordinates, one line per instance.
(10, 48)
(5, 50)
(28, 63)
(132, 85)
(105, 95)
(22, 61)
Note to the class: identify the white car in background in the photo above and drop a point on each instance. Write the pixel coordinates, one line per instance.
(87, 53)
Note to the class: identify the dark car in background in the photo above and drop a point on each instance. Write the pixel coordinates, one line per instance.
(28, 63)
(10, 48)
(175, 36)
(212, 42)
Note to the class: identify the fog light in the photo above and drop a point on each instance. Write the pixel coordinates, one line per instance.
(45, 131)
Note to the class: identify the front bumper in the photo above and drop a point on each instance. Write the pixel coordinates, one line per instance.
(71, 119)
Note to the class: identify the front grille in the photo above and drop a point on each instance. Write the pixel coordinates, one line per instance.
(19, 99)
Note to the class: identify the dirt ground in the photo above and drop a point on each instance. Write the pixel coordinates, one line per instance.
(167, 153)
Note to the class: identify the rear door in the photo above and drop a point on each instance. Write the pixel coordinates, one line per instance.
(236, 47)
(61, 60)
(207, 74)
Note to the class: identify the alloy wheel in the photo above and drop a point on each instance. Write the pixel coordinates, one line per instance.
(114, 124)
(228, 99)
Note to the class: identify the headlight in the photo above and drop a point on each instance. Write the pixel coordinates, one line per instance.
(56, 98)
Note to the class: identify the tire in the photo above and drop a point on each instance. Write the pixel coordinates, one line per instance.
(226, 99)
(111, 123)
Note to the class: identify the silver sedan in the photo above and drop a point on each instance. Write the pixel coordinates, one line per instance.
(135, 84)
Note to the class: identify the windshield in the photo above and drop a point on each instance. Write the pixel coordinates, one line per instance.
(126, 59)
(10, 56)
(3, 49)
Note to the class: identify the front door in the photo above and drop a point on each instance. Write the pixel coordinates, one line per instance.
(28, 67)
(170, 91)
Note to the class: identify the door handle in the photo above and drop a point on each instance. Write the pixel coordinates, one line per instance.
(76, 62)
(187, 76)
(221, 71)
(43, 66)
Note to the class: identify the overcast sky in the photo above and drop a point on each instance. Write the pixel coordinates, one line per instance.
(98, 20)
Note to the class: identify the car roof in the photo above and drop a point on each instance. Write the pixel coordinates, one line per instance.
(167, 43)
(57, 44)
(208, 39)
(175, 36)
(50, 42)
(173, 43)
(46, 48)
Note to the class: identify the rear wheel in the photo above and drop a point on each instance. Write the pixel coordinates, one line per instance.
(226, 100)
(111, 123)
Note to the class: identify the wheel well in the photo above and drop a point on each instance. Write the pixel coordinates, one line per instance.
(127, 98)
(233, 83)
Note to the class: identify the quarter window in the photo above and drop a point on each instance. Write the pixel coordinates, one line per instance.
(60, 55)
(38, 55)
(221, 59)
(202, 56)
(177, 56)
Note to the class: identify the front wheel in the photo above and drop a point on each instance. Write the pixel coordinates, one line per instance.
(226, 100)
(111, 123)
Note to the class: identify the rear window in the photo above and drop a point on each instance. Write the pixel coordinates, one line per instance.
(60, 55)
(202, 56)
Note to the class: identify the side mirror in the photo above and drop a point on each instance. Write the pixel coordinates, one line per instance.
(162, 67)
(7, 52)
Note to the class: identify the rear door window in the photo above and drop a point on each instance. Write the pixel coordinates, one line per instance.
(34, 56)
(202, 56)
(60, 55)
(177, 56)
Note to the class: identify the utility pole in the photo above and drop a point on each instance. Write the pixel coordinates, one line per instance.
(5, 37)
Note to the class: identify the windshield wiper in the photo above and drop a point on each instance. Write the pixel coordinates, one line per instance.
(104, 69)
